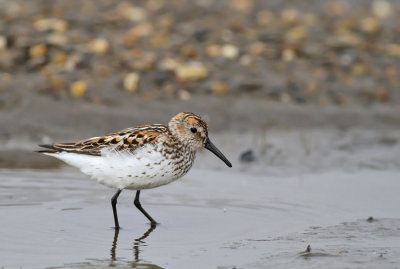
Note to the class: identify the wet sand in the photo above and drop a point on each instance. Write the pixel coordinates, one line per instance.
(209, 219)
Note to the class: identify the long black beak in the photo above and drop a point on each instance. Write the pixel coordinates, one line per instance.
(210, 146)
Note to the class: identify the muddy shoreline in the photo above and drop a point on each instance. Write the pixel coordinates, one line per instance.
(208, 219)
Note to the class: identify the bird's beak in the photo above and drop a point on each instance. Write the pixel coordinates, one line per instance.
(210, 146)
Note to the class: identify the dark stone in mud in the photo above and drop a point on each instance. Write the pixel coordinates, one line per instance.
(161, 77)
(250, 86)
(247, 156)
(201, 35)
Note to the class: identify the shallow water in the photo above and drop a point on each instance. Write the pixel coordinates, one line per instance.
(209, 219)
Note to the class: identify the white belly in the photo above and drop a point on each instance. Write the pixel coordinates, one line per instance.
(145, 169)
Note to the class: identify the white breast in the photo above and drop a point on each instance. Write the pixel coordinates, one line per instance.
(144, 169)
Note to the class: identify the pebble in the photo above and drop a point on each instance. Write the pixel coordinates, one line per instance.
(168, 64)
(290, 16)
(256, 48)
(382, 8)
(296, 33)
(184, 95)
(3, 42)
(220, 88)
(78, 88)
(288, 55)
(50, 24)
(393, 49)
(37, 51)
(99, 45)
(137, 32)
(383, 95)
(265, 17)
(132, 13)
(360, 69)
(131, 82)
(57, 40)
(247, 156)
(191, 71)
(285, 98)
(242, 5)
(370, 25)
(213, 51)
(229, 51)
(56, 82)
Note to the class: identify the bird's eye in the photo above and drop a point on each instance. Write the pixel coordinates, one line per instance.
(194, 130)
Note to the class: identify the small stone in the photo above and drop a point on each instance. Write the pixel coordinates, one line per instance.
(247, 156)
(131, 82)
(285, 98)
(169, 88)
(336, 8)
(256, 48)
(371, 219)
(60, 58)
(290, 16)
(242, 5)
(191, 71)
(246, 60)
(391, 72)
(312, 86)
(57, 39)
(382, 8)
(393, 49)
(50, 24)
(99, 45)
(184, 95)
(229, 51)
(382, 94)
(72, 62)
(360, 69)
(265, 17)
(306, 252)
(3, 42)
(78, 88)
(370, 25)
(220, 88)
(137, 32)
(165, 21)
(168, 64)
(296, 33)
(213, 51)
(56, 82)
(189, 51)
(288, 55)
(127, 11)
(37, 51)
(250, 86)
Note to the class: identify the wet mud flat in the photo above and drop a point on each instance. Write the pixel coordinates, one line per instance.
(209, 219)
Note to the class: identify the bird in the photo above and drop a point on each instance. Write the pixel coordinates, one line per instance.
(138, 158)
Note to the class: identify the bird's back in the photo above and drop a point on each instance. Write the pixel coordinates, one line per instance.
(143, 157)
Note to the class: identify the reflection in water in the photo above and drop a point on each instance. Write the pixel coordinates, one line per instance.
(114, 244)
(138, 242)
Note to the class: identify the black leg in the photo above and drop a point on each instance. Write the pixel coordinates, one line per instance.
(139, 206)
(114, 207)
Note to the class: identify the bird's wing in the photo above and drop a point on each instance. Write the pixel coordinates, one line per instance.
(125, 140)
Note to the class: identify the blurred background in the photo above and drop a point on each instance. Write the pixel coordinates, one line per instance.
(306, 92)
(72, 69)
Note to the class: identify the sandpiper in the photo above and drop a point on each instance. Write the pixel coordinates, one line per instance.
(138, 158)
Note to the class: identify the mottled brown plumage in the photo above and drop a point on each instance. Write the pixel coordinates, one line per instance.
(142, 157)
